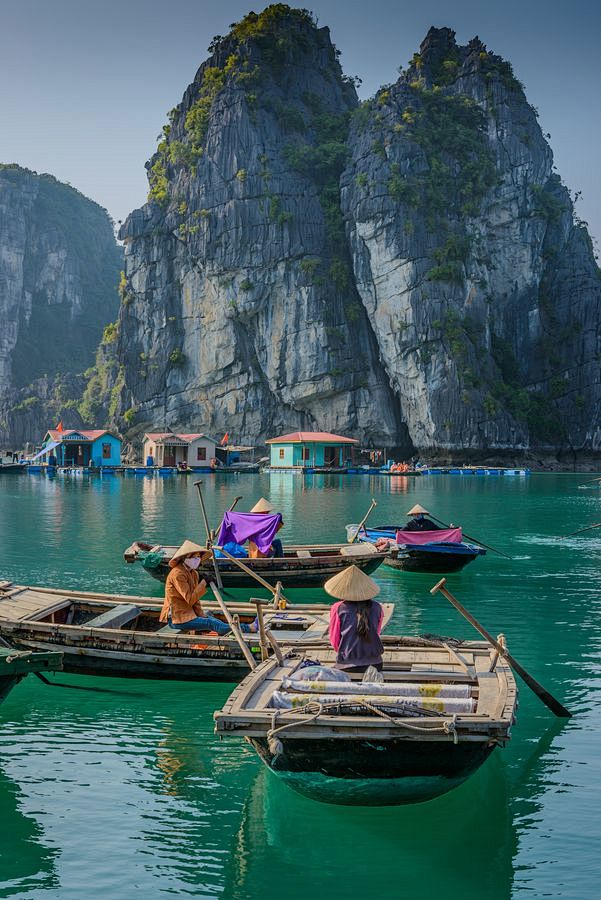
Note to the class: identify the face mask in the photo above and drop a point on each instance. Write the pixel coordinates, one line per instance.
(193, 562)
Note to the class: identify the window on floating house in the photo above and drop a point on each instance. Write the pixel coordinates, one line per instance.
(281, 453)
(306, 455)
(106, 451)
(201, 453)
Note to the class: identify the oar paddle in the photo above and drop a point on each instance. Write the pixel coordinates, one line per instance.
(235, 629)
(542, 693)
(250, 572)
(471, 538)
(234, 504)
(198, 486)
(580, 530)
(363, 521)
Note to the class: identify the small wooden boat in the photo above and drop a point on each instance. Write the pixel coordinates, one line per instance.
(432, 556)
(121, 636)
(16, 664)
(12, 468)
(302, 565)
(436, 717)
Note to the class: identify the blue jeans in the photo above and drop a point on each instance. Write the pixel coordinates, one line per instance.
(205, 623)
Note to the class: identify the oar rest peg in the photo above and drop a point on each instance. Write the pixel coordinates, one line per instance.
(440, 584)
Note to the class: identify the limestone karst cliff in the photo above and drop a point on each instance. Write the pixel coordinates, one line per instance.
(408, 270)
(59, 270)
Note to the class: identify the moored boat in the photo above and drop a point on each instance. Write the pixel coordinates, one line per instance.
(434, 719)
(301, 565)
(121, 636)
(16, 664)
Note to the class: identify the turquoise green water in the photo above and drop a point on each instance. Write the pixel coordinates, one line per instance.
(119, 788)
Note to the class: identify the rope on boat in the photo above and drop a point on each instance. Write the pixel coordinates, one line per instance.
(314, 709)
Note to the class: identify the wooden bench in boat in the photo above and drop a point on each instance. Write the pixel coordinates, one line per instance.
(115, 618)
(303, 554)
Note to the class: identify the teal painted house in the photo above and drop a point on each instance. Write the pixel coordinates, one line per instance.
(309, 450)
(73, 447)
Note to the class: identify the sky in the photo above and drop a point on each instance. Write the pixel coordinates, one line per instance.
(86, 84)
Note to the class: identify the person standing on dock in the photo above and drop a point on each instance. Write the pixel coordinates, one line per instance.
(264, 507)
(183, 591)
(355, 621)
(419, 522)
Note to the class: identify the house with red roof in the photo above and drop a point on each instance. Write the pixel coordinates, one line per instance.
(77, 447)
(167, 448)
(301, 450)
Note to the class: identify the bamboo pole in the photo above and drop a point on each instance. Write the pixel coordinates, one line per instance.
(542, 693)
(250, 572)
(579, 531)
(262, 633)
(363, 521)
(198, 486)
(235, 629)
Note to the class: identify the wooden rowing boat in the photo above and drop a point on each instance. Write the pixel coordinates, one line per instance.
(16, 664)
(302, 565)
(121, 636)
(440, 557)
(434, 720)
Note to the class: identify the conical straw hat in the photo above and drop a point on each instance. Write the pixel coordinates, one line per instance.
(351, 584)
(186, 548)
(262, 506)
(417, 509)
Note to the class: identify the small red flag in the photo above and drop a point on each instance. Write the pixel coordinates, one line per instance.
(59, 427)
(224, 439)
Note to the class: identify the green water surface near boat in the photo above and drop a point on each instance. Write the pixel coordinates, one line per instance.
(120, 789)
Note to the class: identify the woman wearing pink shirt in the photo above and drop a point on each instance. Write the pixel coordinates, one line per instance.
(355, 621)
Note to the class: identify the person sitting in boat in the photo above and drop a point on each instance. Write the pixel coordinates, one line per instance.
(355, 621)
(183, 590)
(418, 521)
(263, 506)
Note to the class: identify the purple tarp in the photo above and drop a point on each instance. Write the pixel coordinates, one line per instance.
(241, 527)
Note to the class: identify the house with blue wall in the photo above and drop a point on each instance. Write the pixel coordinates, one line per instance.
(75, 447)
(303, 450)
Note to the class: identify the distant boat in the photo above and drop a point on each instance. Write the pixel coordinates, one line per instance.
(435, 718)
(438, 552)
(12, 468)
(121, 636)
(302, 565)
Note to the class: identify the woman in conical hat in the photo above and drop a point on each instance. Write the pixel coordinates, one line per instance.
(183, 590)
(264, 507)
(418, 521)
(356, 620)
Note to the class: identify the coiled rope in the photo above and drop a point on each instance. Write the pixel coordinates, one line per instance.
(314, 709)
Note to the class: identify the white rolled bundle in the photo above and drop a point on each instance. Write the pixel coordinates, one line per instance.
(283, 700)
(408, 689)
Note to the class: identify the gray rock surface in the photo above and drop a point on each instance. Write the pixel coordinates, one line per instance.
(59, 269)
(409, 271)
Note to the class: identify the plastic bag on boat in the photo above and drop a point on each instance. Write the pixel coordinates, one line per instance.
(317, 672)
(372, 674)
(233, 549)
(151, 560)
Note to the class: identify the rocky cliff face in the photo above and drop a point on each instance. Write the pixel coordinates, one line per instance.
(481, 287)
(408, 270)
(59, 269)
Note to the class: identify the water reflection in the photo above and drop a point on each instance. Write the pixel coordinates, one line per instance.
(26, 862)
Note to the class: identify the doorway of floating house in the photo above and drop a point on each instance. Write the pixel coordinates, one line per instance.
(331, 456)
(77, 455)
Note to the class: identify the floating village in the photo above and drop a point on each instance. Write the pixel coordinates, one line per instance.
(300, 452)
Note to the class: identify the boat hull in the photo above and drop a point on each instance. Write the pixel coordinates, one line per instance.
(430, 561)
(407, 771)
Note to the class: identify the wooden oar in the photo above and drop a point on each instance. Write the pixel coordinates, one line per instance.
(234, 504)
(250, 572)
(198, 486)
(542, 693)
(580, 530)
(590, 481)
(471, 538)
(363, 521)
(235, 629)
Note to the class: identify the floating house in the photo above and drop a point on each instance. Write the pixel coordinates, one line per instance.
(71, 447)
(305, 450)
(165, 448)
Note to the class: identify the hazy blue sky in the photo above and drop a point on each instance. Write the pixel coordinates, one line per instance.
(86, 84)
